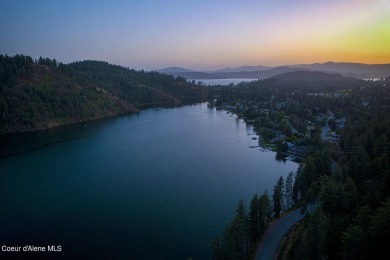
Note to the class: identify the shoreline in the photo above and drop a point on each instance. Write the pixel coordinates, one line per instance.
(51, 124)
(264, 145)
(55, 123)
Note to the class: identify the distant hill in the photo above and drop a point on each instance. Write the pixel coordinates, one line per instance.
(174, 70)
(315, 76)
(41, 94)
(306, 80)
(257, 74)
(243, 69)
(195, 75)
(276, 71)
(355, 70)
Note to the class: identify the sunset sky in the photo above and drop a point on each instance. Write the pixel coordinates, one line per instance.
(198, 34)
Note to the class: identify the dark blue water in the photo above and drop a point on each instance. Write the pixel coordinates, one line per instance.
(223, 82)
(158, 185)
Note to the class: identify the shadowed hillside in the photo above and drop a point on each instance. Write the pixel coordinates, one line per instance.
(40, 94)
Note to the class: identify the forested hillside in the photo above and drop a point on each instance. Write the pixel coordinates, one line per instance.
(43, 93)
(140, 88)
(354, 217)
(340, 129)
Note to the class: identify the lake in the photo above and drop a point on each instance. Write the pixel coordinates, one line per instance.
(223, 82)
(157, 185)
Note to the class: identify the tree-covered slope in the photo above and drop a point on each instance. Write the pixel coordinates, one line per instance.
(44, 93)
(137, 87)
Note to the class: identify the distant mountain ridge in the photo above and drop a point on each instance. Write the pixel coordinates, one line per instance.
(244, 68)
(317, 76)
(361, 70)
(347, 69)
(174, 70)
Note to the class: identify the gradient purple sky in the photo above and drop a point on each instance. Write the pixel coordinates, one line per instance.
(203, 35)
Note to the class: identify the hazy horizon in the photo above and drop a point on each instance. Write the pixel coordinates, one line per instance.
(199, 35)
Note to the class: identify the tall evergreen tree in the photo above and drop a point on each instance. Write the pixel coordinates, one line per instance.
(278, 197)
(254, 218)
(265, 210)
(289, 189)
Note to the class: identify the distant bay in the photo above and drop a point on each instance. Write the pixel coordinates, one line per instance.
(223, 82)
(158, 185)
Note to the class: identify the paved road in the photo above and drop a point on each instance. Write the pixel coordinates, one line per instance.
(276, 233)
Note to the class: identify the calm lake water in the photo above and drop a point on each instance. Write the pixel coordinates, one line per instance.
(223, 82)
(158, 185)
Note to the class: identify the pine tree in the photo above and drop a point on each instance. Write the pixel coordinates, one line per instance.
(278, 197)
(289, 190)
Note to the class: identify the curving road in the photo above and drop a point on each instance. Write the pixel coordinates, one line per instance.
(276, 232)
